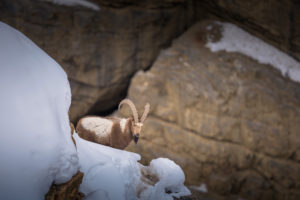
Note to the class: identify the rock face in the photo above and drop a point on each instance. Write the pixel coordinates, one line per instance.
(66, 191)
(225, 119)
(277, 22)
(100, 50)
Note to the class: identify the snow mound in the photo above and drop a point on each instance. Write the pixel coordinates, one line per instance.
(113, 174)
(170, 181)
(83, 3)
(108, 173)
(35, 141)
(235, 39)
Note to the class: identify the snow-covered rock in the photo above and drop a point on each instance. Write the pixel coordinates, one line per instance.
(235, 39)
(114, 174)
(35, 141)
(83, 3)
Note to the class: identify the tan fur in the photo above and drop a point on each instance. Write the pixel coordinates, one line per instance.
(119, 139)
(116, 138)
(111, 131)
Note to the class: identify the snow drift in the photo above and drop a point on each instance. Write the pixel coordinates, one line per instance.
(36, 148)
(35, 142)
(114, 174)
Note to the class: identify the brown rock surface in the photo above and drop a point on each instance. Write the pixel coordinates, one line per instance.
(223, 117)
(199, 195)
(66, 191)
(100, 50)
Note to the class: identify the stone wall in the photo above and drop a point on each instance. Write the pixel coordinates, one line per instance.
(224, 118)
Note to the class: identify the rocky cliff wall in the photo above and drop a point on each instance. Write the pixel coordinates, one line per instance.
(99, 50)
(277, 22)
(226, 119)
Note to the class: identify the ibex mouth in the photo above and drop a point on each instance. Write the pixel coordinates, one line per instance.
(136, 138)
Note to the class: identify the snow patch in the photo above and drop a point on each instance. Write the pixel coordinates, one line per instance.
(114, 174)
(235, 39)
(83, 3)
(201, 188)
(36, 148)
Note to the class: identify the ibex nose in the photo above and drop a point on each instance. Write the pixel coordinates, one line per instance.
(136, 137)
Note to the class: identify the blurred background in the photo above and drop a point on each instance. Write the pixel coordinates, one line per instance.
(230, 121)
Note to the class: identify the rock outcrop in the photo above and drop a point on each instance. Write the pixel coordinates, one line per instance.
(66, 191)
(99, 50)
(277, 22)
(224, 118)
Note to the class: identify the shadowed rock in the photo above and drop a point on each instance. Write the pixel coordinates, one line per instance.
(65, 191)
(99, 50)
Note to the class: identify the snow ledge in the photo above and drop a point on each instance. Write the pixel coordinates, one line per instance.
(82, 3)
(235, 39)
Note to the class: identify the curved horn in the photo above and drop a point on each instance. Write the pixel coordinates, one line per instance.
(132, 107)
(146, 111)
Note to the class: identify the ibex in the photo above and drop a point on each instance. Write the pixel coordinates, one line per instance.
(113, 131)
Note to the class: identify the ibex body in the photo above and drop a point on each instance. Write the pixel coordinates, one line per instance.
(113, 131)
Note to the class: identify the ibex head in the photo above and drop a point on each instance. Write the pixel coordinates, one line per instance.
(136, 123)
